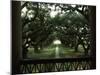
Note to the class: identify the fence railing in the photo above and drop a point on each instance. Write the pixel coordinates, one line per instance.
(54, 65)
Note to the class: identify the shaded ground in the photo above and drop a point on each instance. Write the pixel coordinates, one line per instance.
(50, 52)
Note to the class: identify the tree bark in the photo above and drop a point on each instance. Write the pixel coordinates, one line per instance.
(36, 50)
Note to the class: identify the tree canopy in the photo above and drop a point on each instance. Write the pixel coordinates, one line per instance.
(44, 22)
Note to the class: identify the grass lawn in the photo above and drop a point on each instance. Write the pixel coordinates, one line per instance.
(49, 52)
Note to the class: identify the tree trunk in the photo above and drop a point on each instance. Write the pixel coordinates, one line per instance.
(76, 47)
(86, 52)
(76, 44)
(25, 51)
(36, 50)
